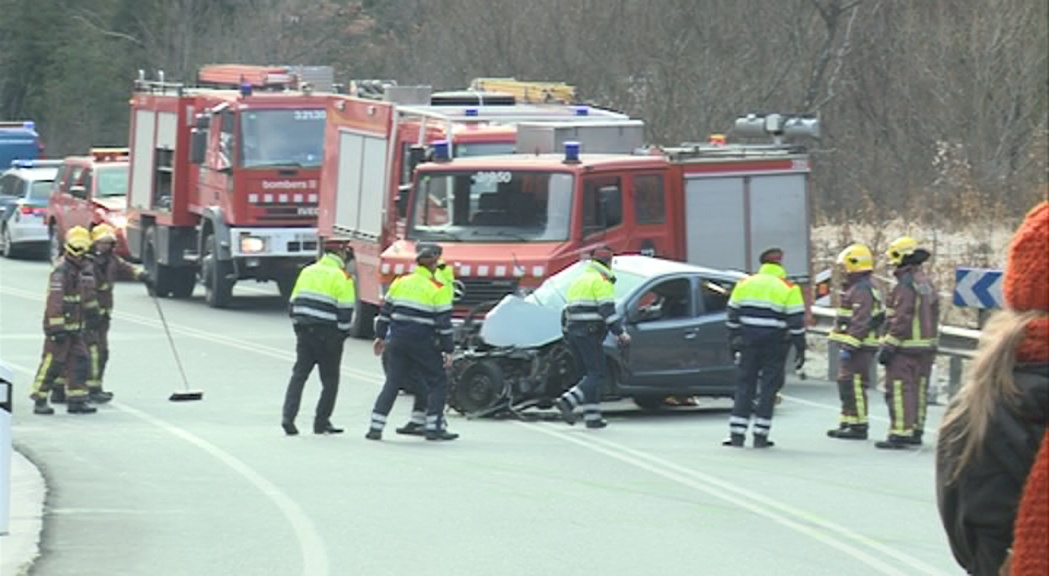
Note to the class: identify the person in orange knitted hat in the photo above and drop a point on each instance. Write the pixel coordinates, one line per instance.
(994, 426)
(1031, 542)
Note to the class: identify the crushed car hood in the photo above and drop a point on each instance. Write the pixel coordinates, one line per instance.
(518, 323)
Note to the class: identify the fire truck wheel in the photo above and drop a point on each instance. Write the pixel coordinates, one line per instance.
(218, 289)
(159, 273)
(183, 281)
(362, 325)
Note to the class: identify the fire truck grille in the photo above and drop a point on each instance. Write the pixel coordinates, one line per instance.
(479, 290)
(304, 213)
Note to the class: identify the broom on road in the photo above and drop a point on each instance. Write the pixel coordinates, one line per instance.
(185, 393)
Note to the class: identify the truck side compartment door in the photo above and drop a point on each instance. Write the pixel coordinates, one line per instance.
(647, 208)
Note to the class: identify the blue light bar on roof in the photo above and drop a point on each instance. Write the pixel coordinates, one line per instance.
(21, 163)
(471, 111)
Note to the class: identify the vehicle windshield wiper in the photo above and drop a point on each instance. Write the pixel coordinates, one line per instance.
(455, 237)
(509, 234)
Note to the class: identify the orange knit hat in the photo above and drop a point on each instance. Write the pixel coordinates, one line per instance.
(1026, 282)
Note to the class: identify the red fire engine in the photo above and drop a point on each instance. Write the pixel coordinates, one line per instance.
(508, 222)
(224, 179)
(371, 150)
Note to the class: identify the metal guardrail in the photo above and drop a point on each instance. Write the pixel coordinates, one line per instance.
(958, 344)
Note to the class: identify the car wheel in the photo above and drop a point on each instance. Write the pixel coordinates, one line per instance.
(649, 401)
(9, 245)
(478, 388)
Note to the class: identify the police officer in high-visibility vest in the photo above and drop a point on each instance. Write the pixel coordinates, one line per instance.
(860, 313)
(416, 426)
(766, 315)
(415, 325)
(321, 308)
(71, 305)
(909, 344)
(589, 315)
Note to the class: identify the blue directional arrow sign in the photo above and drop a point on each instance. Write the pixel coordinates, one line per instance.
(978, 288)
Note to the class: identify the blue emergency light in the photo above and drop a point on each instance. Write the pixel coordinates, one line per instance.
(21, 163)
(245, 89)
(29, 125)
(582, 110)
(440, 150)
(571, 152)
(471, 112)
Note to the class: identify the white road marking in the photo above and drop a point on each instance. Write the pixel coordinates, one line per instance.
(705, 483)
(311, 545)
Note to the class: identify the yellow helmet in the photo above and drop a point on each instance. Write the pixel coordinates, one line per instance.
(103, 233)
(78, 241)
(900, 248)
(856, 258)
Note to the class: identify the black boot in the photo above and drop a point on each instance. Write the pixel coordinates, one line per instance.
(80, 407)
(849, 433)
(734, 440)
(99, 396)
(412, 429)
(58, 395)
(596, 424)
(289, 427)
(894, 442)
(440, 435)
(40, 407)
(326, 428)
(916, 438)
(761, 441)
(567, 413)
(374, 434)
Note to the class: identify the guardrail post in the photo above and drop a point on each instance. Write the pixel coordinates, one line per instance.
(955, 378)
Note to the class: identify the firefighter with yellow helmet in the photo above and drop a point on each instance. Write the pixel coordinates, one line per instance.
(860, 313)
(909, 343)
(71, 305)
(108, 269)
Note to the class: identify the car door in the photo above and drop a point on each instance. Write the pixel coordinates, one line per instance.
(660, 318)
(713, 358)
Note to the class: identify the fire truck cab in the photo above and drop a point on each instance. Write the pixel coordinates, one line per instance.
(224, 179)
(372, 149)
(506, 223)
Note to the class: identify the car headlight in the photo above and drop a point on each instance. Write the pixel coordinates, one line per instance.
(252, 245)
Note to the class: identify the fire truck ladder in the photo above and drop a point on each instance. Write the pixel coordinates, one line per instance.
(515, 114)
(527, 91)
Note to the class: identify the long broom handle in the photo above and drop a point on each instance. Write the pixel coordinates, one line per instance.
(171, 341)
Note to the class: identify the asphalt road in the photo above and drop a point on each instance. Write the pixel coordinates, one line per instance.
(149, 486)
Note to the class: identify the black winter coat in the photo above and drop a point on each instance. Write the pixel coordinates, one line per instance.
(978, 510)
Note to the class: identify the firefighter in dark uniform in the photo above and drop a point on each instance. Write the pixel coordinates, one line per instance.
(415, 326)
(589, 315)
(912, 327)
(108, 269)
(416, 426)
(321, 309)
(71, 305)
(860, 313)
(766, 315)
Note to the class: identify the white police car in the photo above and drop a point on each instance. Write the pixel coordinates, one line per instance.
(24, 191)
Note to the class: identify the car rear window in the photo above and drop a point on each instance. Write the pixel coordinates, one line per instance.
(112, 181)
(40, 190)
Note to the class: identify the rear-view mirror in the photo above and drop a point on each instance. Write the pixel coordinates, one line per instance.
(402, 201)
(416, 156)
